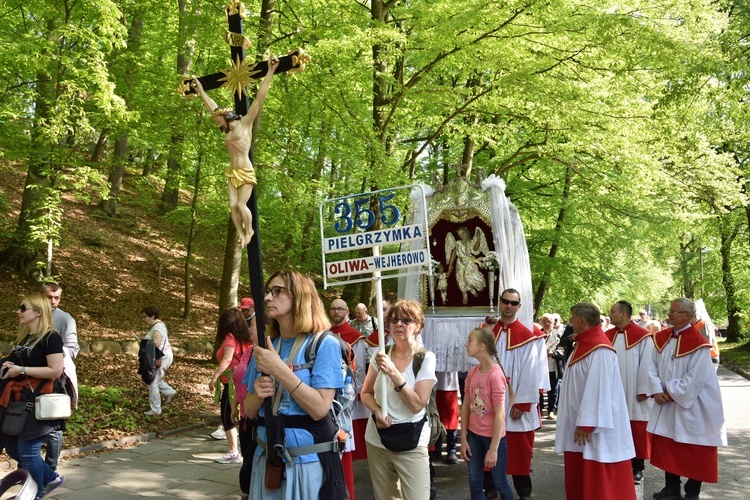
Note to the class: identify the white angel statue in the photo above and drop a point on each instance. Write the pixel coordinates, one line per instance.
(463, 256)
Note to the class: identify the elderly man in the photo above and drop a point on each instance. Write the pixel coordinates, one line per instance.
(593, 431)
(687, 422)
(634, 346)
(362, 321)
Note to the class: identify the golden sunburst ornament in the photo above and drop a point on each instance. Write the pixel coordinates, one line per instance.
(239, 76)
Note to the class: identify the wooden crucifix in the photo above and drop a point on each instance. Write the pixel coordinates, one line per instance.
(238, 136)
(237, 127)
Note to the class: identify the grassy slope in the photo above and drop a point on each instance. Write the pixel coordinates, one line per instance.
(110, 269)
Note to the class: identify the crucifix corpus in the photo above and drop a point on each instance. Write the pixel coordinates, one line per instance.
(237, 128)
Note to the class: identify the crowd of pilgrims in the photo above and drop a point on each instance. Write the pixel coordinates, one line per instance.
(621, 389)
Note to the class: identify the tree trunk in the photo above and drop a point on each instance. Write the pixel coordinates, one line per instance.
(108, 205)
(320, 160)
(171, 192)
(191, 236)
(148, 163)
(686, 274)
(728, 233)
(23, 253)
(101, 146)
(230, 274)
(544, 282)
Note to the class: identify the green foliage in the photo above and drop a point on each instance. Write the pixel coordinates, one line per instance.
(644, 108)
(106, 408)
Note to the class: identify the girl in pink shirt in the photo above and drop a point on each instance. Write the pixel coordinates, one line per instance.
(483, 416)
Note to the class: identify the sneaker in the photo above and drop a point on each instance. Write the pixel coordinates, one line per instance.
(232, 457)
(219, 433)
(58, 481)
(151, 413)
(169, 397)
(551, 415)
(452, 458)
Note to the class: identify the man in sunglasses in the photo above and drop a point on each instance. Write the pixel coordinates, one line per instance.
(518, 352)
(66, 327)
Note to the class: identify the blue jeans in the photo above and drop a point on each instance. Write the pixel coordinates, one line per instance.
(28, 455)
(54, 446)
(479, 446)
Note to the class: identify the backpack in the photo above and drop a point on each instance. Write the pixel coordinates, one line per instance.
(343, 401)
(437, 428)
(148, 354)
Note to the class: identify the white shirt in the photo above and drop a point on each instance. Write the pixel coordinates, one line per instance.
(397, 409)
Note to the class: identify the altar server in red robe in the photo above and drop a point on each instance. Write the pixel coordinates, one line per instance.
(593, 430)
(687, 422)
(517, 349)
(634, 345)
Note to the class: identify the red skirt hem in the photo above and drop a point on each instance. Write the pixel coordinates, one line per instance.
(693, 461)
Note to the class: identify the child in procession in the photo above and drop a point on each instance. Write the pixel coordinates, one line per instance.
(483, 416)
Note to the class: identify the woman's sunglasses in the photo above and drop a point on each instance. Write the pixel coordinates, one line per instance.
(23, 308)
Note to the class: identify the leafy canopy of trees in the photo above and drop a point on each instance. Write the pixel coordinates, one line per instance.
(620, 127)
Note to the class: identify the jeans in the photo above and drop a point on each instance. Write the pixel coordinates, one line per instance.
(479, 446)
(28, 455)
(54, 446)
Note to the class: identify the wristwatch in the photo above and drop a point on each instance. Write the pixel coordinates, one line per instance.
(398, 389)
(23, 370)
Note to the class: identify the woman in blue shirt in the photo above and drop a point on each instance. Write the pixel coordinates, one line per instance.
(301, 395)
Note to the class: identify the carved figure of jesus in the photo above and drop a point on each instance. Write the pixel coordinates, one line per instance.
(238, 136)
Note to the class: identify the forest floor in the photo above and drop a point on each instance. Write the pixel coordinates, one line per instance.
(110, 268)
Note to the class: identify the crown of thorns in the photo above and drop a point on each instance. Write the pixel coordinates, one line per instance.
(222, 111)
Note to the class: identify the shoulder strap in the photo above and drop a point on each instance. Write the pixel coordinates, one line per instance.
(311, 351)
(416, 364)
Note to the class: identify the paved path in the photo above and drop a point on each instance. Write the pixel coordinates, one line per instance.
(183, 466)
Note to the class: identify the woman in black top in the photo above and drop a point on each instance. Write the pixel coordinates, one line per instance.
(35, 362)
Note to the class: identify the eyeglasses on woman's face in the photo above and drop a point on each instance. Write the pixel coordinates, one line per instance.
(23, 308)
(275, 291)
(403, 321)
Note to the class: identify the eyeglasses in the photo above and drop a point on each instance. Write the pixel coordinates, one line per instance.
(675, 312)
(337, 309)
(514, 303)
(403, 321)
(23, 308)
(275, 290)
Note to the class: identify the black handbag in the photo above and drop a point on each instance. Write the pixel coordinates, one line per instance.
(401, 437)
(15, 417)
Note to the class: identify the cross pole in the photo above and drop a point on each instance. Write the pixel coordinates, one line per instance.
(236, 78)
